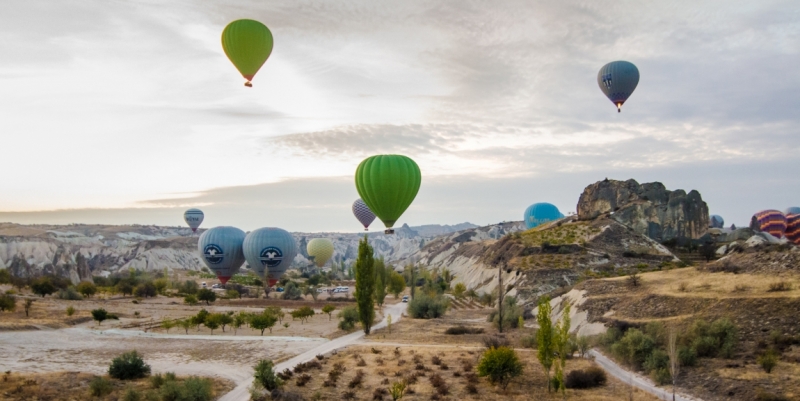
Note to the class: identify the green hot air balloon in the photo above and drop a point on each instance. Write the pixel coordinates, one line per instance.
(247, 44)
(388, 184)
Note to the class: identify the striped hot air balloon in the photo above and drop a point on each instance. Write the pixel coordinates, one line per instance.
(363, 214)
(793, 228)
(769, 221)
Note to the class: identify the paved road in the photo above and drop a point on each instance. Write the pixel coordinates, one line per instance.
(241, 393)
(640, 382)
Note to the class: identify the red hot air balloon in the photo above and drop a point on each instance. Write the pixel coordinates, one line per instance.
(793, 228)
(770, 221)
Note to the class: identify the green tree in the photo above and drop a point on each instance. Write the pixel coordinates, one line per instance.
(311, 290)
(292, 291)
(303, 313)
(459, 290)
(381, 280)
(160, 285)
(544, 337)
(276, 311)
(238, 321)
(562, 347)
(329, 310)
(128, 366)
(43, 286)
(365, 285)
(206, 295)
(265, 375)
(28, 304)
(167, 324)
(262, 322)
(224, 320)
(99, 315)
(500, 366)
(212, 322)
(5, 276)
(397, 284)
(190, 300)
(86, 288)
(189, 287)
(348, 318)
(8, 302)
(145, 290)
(125, 288)
(185, 324)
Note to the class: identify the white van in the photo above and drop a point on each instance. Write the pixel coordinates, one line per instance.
(341, 289)
(204, 284)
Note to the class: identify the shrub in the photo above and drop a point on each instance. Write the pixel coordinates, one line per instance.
(500, 365)
(436, 360)
(459, 330)
(302, 380)
(69, 294)
(8, 303)
(348, 318)
(379, 393)
(471, 388)
(292, 291)
(349, 395)
(204, 294)
(687, 356)
(197, 389)
(426, 307)
(265, 375)
(145, 290)
(661, 376)
(658, 359)
(496, 341)
(765, 396)
(100, 386)
(190, 300)
(70, 310)
(634, 347)
(99, 315)
(156, 380)
(86, 288)
(131, 395)
(357, 380)
(128, 366)
(171, 391)
(43, 286)
(588, 378)
(780, 286)
(768, 360)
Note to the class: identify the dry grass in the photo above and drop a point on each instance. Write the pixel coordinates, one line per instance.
(75, 386)
(456, 379)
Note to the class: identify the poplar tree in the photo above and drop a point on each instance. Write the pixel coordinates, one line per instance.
(365, 285)
(544, 337)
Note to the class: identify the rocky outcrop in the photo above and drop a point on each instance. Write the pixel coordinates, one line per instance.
(649, 209)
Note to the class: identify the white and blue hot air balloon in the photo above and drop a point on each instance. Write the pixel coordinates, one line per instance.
(716, 221)
(540, 213)
(363, 214)
(270, 249)
(617, 80)
(193, 217)
(221, 250)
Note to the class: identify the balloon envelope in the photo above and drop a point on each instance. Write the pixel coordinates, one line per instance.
(793, 228)
(193, 217)
(540, 213)
(363, 214)
(716, 221)
(221, 250)
(770, 221)
(321, 249)
(388, 184)
(617, 80)
(792, 210)
(270, 249)
(248, 44)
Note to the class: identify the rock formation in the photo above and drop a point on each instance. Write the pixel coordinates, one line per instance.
(649, 209)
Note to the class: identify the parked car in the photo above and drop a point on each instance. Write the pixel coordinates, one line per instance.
(216, 286)
(321, 290)
(279, 289)
(405, 298)
(203, 284)
(341, 289)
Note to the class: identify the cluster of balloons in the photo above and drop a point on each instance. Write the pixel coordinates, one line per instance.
(779, 224)
(540, 213)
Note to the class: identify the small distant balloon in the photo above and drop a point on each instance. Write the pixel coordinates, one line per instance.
(793, 228)
(221, 250)
(540, 213)
(269, 252)
(716, 221)
(769, 221)
(363, 214)
(617, 80)
(321, 249)
(792, 210)
(248, 44)
(193, 217)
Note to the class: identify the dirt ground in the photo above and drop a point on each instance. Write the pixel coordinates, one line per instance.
(384, 365)
(75, 386)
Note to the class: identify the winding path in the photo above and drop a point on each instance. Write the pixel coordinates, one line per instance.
(242, 393)
(640, 382)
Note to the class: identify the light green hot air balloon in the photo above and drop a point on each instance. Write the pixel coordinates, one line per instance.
(248, 44)
(321, 249)
(388, 184)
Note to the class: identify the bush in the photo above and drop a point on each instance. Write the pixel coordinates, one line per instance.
(705, 346)
(765, 396)
(687, 356)
(128, 366)
(588, 378)
(43, 286)
(157, 380)
(529, 341)
(768, 360)
(657, 360)
(87, 289)
(459, 330)
(131, 395)
(292, 291)
(190, 300)
(496, 341)
(500, 365)
(100, 386)
(69, 294)
(8, 303)
(425, 307)
(348, 318)
(206, 295)
(197, 389)
(70, 310)
(265, 375)
(634, 347)
(145, 290)
(171, 391)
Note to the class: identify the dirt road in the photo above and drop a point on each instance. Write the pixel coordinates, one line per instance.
(640, 382)
(241, 393)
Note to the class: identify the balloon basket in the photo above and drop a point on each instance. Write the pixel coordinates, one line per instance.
(388, 231)
(248, 84)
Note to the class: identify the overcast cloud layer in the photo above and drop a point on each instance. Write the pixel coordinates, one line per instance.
(128, 112)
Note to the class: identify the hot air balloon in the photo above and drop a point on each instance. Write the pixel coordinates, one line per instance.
(540, 213)
(221, 250)
(193, 217)
(388, 184)
(271, 249)
(363, 214)
(248, 44)
(716, 221)
(770, 221)
(792, 210)
(321, 249)
(617, 80)
(793, 228)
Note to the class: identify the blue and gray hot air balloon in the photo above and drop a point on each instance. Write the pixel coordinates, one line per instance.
(221, 250)
(270, 249)
(792, 210)
(193, 217)
(716, 221)
(363, 214)
(540, 213)
(617, 80)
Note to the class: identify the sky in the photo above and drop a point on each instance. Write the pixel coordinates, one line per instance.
(128, 112)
